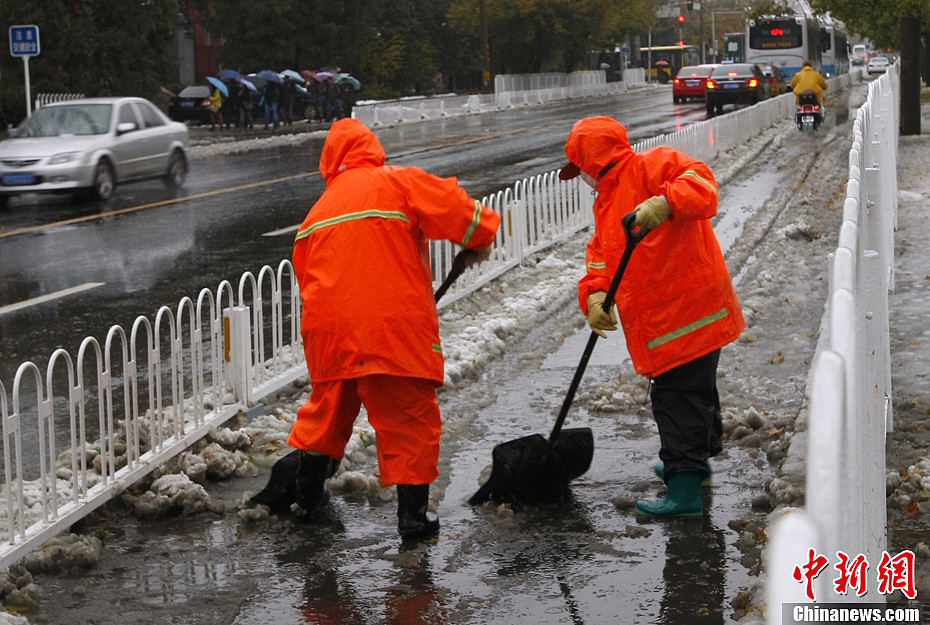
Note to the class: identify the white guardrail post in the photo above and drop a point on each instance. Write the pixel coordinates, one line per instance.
(237, 333)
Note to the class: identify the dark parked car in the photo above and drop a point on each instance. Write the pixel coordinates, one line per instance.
(191, 104)
(735, 83)
(776, 79)
(690, 81)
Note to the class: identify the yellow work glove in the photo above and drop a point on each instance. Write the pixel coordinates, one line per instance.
(652, 212)
(597, 318)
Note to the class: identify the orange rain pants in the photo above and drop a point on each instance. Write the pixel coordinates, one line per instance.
(402, 410)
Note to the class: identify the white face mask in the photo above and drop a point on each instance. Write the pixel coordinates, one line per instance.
(590, 180)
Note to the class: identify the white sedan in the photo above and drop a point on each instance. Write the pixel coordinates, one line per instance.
(877, 65)
(89, 146)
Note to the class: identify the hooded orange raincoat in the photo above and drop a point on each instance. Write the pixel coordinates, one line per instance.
(362, 260)
(368, 323)
(676, 301)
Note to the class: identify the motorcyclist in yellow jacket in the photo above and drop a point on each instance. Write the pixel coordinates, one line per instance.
(808, 79)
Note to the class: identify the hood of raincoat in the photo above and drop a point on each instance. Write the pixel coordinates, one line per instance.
(593, 144)
(349, 144)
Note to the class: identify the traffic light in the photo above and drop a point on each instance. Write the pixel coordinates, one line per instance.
(681, 19)
(690, 5)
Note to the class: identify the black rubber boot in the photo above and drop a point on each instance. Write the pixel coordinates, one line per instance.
(313, 469)
(413, 520)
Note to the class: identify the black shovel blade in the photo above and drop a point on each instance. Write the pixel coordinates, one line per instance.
(529, 469)
(281, 490)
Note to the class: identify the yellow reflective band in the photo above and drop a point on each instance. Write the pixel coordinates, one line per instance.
(693, 174)
(600, 265)
(332, 221)
(476, 217)
(437, 348)
(691, 327)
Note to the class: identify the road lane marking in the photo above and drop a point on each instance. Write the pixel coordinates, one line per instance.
(35, 301)
(132, 209)
(196, 196)
(277, 233)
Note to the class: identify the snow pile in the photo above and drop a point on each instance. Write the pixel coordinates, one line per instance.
(65, 553)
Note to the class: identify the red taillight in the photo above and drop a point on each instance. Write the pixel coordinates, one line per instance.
(752, 82)
(677, 82)
(710, 84)
(206, 102)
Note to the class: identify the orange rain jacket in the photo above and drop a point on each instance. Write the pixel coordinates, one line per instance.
(675, 301)
(361, 258)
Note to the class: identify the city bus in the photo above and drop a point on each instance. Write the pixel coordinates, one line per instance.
(834, 47)
(663, 62)
(785, 42)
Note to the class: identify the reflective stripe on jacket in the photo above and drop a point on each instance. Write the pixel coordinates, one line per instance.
(676, 301)
(361, 257)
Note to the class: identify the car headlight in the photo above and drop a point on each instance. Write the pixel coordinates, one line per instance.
(64, 157)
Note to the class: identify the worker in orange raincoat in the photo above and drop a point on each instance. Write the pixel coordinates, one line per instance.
(369, 324)
(675, 300)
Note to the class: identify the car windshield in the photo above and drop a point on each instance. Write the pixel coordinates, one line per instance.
(67, 119)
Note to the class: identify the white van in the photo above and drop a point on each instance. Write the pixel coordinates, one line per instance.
(859, 54)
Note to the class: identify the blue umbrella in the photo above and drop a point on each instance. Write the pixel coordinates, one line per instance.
(293, 76)
(248, 84)
(349, 78)
(270, 76)
(216, 82)
(230, 74)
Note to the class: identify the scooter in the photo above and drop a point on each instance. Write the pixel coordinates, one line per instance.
(809, 114)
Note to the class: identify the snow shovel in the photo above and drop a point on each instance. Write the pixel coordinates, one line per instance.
(281, 490)
(533, 469)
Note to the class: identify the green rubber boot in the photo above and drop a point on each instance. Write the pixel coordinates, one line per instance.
(659, 469)
(683, 498)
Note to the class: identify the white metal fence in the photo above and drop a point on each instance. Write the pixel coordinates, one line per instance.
(106, 418)
(850, 378)
(510, 91)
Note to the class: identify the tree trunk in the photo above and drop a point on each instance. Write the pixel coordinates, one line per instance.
(910, 76)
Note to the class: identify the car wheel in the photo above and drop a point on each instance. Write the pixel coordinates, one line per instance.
(177, 171)
(676, 99)
(104, 181)
(710, 109)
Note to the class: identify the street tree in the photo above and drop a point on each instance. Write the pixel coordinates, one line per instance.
(528, 36)
(93, 47)
(897, 24)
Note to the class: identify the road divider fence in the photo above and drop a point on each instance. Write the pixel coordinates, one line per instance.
(849, 385)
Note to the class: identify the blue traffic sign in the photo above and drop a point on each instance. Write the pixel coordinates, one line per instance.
(24, 40)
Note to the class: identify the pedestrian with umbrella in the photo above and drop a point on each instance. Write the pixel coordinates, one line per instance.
(216, 102)
(270, 97)
(372, 337)
(676, 301)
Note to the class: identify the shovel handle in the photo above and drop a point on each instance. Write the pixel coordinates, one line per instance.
(458, 266)
(632, 238)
